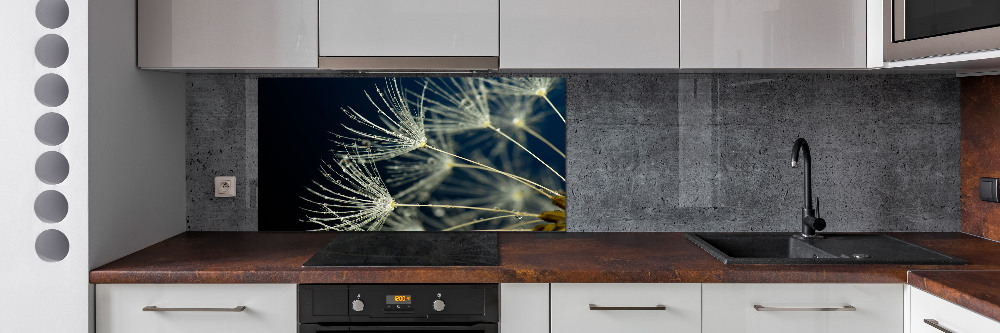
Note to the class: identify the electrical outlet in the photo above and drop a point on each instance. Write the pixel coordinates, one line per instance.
(225, 186)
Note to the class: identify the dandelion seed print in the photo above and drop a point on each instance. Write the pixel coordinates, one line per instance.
(401, 129)
(411, 154)
(530, 86)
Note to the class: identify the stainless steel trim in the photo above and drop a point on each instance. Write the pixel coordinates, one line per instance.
(963, 42)
(935, 324)
(410, 63)
(629, 308)
(158, 309)
(759, 307)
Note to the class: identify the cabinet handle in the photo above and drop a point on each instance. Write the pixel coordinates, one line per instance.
(233, 309)
(614, 308)
(759, 307)
(935, 324)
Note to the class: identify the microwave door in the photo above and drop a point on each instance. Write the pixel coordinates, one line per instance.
(916, 19)
(914, 29)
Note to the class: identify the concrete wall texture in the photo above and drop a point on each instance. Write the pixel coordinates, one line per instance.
(681, 152)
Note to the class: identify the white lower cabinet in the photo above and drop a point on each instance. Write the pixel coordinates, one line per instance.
(802, 308)
(930, 314)
(570, 308)
(626, 307)
(196, 308)
(524, 308)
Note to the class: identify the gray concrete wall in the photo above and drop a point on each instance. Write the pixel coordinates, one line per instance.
(682, 152)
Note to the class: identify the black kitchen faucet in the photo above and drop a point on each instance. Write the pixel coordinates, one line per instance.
(810, 222)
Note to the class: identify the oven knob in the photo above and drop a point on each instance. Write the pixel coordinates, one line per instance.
(438, 305)
(358, 305)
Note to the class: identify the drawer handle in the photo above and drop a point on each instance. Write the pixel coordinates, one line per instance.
(759, 307)
(234, 309)
(935, 324)
(630, 308)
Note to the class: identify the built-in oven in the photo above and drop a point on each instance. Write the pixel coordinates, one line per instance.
(927, 28)
(389, 308)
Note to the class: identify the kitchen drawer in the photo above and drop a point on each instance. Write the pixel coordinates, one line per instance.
(729, 308)
(949, 316)
(269, 308)
(641, 307)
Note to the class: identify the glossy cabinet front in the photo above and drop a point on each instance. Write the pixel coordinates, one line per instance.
(774, 34)
(626, 307)
(524, 308)
(802, 308)
(221, 34)
(196, 308)
(568, 34)
(930, 314)
(409, 28)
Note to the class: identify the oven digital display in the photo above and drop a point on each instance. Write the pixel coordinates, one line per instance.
(397, 299)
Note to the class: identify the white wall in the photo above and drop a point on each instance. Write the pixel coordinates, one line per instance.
(126, 135)
(137, 184)
(36, 295)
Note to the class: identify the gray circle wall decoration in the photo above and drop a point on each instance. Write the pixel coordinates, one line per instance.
(52, 245)
(51, 90)
(52, 13)
(52, 167)
(51, 50)
(51, 206)
(52, 129)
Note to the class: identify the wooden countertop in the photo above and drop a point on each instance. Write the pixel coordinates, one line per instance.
(978, 291)
(260, 257)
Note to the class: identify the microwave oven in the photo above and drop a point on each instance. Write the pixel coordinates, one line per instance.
(916, 29)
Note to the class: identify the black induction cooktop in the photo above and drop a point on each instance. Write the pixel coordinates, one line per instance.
(402, 248)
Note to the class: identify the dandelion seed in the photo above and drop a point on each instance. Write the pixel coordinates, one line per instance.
(467, 108)
(420, 171)
(465, 105)
(357, 199)
(516, 115)
(405, 219)
(402, 130)
(529, 86)
(360, 201)
(484, 189)
(537, 86)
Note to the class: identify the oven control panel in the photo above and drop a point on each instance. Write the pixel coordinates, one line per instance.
(400, 303)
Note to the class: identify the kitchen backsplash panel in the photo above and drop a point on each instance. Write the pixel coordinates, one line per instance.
(680, 152)
(396, 153)
(980, 153)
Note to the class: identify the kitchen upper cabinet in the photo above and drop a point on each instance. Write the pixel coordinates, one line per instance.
(589, 34)
(802, 308)
(196, 308)
(930, 314)
(626, 307)
(409, 28)
(227, 34)
(778, 33)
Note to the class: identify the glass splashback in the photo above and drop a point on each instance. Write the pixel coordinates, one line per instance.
(412, 154)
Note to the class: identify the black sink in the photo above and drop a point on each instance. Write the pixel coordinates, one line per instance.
(787, 248)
